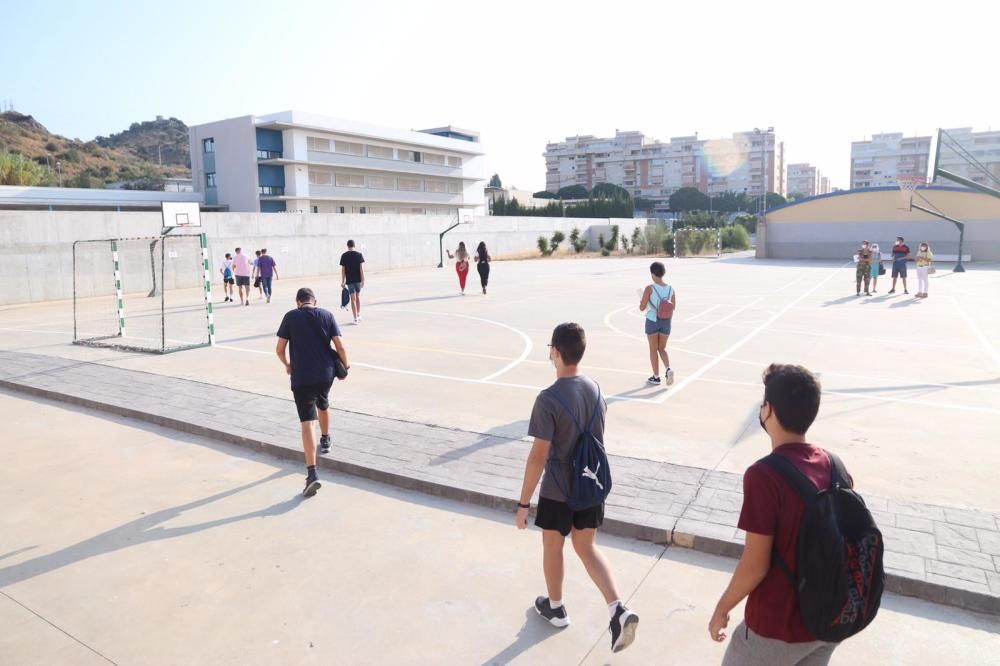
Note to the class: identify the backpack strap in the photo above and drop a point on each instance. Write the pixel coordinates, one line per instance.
(788, 471)
(838, 472)
(579, 427)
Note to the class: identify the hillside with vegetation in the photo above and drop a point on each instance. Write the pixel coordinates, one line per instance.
(31, 155)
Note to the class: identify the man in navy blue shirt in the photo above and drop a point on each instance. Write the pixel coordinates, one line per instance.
(310, 330)
(900, 253)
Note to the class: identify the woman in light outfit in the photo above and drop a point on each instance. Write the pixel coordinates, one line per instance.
(925, 264)
(876, 265)
(658, 329)
(461, 265)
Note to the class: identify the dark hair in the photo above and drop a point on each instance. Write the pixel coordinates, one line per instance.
(350, 243)
(481, 250)
(257, 252)
(238, 249)
(461, 246)
(793, 393)
(899, 238)
(263, 250)
(657, 269)
(305, 295)
(571, 342)
(228, 256)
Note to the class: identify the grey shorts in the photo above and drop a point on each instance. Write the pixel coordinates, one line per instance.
(242, 280)
(660, 326)
(749, 649)
(354, 287)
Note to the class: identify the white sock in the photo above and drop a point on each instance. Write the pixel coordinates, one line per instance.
(613, 606)
(554, 604)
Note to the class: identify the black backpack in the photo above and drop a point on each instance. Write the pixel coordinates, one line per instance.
(590, 482)
(839, 574)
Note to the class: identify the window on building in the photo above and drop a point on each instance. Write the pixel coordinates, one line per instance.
(341, 209)
(434, 158)
(381, 182)
(363, 210)
(454, 187)
(320, 177)
(315, 209)
(208, 145)
(381, 152)
(350, 180)
(271, 190)
(349, 148)
(316, 143)
(435, 186)
(210, 179)
(454, 161)
(411, 211)
(411, 184)
(268, 154)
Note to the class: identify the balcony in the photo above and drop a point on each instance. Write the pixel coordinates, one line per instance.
(369, 194)
(268, 154)
(380, 164)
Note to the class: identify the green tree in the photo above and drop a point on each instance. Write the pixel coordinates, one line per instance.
(544, 194)
(636, 238)
(689, 198)
(19, 170)
(702, 219)
(495, 181)
(609, 191)
(641, 203)
(573, 192)
(773, 200)
(557, 238)
(543, 246)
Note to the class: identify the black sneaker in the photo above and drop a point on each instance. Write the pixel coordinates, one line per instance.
(892, 291)
(905, 292)
(312, 485)
(324, 444)
(557, 617)
(653, 380)
(867, 294)
(623, 626)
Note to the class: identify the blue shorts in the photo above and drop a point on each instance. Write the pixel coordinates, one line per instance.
(658, 327)
(354, 287)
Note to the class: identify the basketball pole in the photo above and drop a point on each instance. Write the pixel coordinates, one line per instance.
(959, 268)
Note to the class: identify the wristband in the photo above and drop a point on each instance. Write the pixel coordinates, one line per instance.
(523, 506)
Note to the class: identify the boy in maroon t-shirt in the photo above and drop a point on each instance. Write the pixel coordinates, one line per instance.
(772, 631)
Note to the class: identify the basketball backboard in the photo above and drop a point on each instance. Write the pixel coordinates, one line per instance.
(181, 214)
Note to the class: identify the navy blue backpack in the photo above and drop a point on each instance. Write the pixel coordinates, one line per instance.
(590, 481)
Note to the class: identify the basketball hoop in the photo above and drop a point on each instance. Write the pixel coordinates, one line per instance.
(907, 185)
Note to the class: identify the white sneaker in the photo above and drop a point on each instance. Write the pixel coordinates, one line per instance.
(669, 377)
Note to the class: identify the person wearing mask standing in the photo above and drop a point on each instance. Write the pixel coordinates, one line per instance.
(900, 253)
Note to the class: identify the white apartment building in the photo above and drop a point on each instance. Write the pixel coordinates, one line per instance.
(879, 161)
(807, 180)
(747, 162)
(302, 162)
(984, 147)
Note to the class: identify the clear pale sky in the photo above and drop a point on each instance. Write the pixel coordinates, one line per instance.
(521, 73)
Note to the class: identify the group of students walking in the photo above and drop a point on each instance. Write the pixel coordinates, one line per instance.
(237, 271)
(462, 259)
(802, 599)
(870, 267)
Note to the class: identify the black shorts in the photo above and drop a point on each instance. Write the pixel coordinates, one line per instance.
(242, 280)
(309, 398)
(553, 515)
(229, 280)
(899, 270)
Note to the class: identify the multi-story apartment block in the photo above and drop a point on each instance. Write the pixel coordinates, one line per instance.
(295, 161)
(962, 145)
(748, 162)
(880, 161)
(806, 180)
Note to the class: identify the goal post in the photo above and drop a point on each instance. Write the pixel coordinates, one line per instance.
(694, 242)
(151, 294)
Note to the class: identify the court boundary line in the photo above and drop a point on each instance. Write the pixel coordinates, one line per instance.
(983, 340)
(749, 336)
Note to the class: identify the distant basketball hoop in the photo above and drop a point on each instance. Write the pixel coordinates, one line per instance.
(180, 214)
(907, 186)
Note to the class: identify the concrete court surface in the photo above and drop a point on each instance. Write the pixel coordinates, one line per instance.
(129, 544)
(912, 387)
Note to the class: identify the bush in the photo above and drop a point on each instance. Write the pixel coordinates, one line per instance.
(625, 246)
(605, 252)
(636, 238)
(735, 237)
(696, 241)
(543, 246)
(600, 240)
(574, 240)
(652, 241)
(557, 237)
(668, 244)
(749, 222)
(51, 147)
(71, 155)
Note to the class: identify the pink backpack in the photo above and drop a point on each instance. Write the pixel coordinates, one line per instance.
(665, 310)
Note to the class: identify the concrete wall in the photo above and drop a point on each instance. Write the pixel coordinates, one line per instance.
(36, 246)
(832, 227)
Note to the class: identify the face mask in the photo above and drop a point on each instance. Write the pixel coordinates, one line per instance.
(761, 421)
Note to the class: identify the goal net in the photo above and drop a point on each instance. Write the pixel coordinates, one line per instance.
(143, 294)
(691, 242)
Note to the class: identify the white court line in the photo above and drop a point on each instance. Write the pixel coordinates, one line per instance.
(430, 375)
(879, 398)
(817, 334)
(983, 340)
(746, 338)
(528, 346)
(703, 312)
(608, 324)
(32, 330)
(720, 321)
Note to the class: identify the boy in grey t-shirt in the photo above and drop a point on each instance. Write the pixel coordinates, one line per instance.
(556, 434)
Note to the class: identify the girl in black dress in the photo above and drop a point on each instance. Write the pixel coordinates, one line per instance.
(483, 264)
